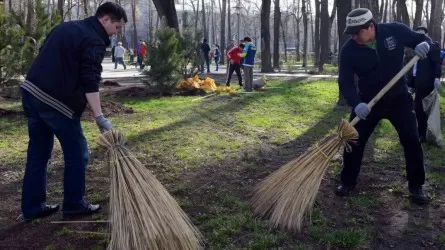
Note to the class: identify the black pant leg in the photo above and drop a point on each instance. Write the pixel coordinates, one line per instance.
(403, 119)
(422, 118)
(238, 73)
(353, 160)
(231, 69)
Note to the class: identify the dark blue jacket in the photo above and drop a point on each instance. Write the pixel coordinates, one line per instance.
(69, 62)
(376, 67)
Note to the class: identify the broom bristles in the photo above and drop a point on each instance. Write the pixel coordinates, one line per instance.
(143, 215)
(288, 195)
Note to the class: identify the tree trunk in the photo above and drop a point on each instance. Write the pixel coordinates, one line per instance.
(343, 8)
(30, 16)
(418, 15)
(305, 33)
(283, 30)
(166, 9)
(276, 34)
(324, 34)
(135, 32)
(204, 23)
(331, 21)
(298, 20)
(311, 23)
(317, 34)
(381, 10)
(85, 8)
(70, 6)
(223, 29)
(402, 12)
(266, 65)
(434, 26)
(150, 21)
(60, 8)
(385, 12)
(229, 22)
(426, 11)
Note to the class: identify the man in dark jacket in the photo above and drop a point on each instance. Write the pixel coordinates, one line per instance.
(205, 49)
(425, 77)
(375, 54)
(63, 78)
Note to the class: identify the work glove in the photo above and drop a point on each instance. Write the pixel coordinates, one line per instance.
(422, 49)
(362, 110)
(103, 123)
(437, 84)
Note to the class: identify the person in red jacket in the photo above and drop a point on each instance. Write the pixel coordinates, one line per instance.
(235, 63)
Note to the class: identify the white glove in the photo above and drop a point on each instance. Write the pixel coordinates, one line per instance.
(437, 84)
(422, 49)
(103, 123)
(362, 110)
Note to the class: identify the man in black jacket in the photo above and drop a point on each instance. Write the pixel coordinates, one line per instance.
(425, 78)
(375, 54)
(205, 49)
(63, 78)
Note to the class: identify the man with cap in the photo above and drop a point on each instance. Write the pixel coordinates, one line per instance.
(425, 78)
(374, 53)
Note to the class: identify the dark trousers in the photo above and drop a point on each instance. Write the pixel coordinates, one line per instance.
(119, 60)
(237, 68)
(207, 61)
(217, 62)
(43, 123)
(400, 112)
(422, 118)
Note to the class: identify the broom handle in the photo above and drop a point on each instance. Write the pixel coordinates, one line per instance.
(388, 86)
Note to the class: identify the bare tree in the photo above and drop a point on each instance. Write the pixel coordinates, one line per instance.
(316, 37)
(266, 65)
(324, 33)
(229, 21)
(418, 16)
(434, 26)
(343, 8)
(204, 26)
(385, 12)
(30, 17)
(166, 9)
(402, 12)
(85, 7)
(305, 32)
(276, 34)
(297, 20)
(223, 29)
(135, 31)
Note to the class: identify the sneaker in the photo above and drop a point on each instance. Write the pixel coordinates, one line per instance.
(87, 210)
(46, 211)
(417, 196)
(344, 190)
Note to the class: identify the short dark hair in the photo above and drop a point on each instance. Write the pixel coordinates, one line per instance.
(205, 40)
(241, 45)
(113, 10)
(247, 39)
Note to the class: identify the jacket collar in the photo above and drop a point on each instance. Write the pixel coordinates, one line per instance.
(99, 29)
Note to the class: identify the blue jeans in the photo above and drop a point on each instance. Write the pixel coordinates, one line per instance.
(119, 60)
(43, 123)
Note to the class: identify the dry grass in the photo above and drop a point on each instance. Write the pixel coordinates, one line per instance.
(143, 215)
(288, 195)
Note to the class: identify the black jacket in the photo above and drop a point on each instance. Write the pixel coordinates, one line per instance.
(376, 67)
(426, 70)
(69, 62)
(205, 48)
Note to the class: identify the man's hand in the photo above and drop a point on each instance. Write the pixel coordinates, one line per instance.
(437, 84)
(422, 49)
(103, 123)
(362, 110)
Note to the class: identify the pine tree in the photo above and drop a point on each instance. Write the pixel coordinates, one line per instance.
(192, 53)
(164, 60)
(10, 48)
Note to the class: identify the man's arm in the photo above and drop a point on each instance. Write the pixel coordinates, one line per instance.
(245, 50)
(90, 71)
(409, 37)
(434, 56)
(346, 81)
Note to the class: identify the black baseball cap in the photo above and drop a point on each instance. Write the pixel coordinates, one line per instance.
(357, 20)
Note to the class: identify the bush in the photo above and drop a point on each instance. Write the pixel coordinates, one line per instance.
(191, 48)
(164, 60)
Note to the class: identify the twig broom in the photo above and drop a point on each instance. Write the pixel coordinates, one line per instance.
(143, 215)
(288, 195)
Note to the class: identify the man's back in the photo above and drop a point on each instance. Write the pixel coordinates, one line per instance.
(69, 62)
(119, 52)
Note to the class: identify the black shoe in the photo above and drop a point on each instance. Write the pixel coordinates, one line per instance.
(47, 211)
(417, 196)
(227, 85)
(87, 210)
(344, 190)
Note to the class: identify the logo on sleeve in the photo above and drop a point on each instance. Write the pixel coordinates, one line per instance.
(390, 43)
